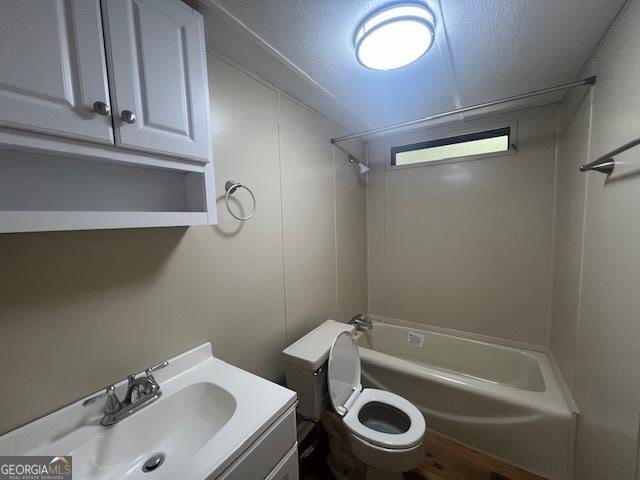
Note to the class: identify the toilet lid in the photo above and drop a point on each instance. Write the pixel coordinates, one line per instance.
(344, 371)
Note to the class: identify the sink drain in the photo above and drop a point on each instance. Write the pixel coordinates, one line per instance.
(153, 463)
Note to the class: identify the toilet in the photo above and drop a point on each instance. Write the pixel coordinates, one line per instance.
(377, 429)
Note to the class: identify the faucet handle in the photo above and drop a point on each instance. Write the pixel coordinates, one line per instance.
(361, 321)
(112, 404)
(153, 384)
(148, 371)
(358, 317)
(98, 396)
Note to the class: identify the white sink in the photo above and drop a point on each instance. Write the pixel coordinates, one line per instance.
(175, 428)
(207, 415)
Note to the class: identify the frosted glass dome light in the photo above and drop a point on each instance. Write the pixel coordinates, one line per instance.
(395, 36)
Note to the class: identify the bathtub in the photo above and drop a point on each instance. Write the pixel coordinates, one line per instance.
(499, 400)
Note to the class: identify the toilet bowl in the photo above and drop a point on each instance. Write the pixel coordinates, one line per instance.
(383, 430)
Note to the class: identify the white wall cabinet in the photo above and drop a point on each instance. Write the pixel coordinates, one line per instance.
(53, 68)
(148, 138)
(157, 68)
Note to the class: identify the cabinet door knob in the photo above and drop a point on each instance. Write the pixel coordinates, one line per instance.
(101, 108)
(128, 116)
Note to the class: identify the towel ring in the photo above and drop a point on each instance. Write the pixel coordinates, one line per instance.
(231, 186)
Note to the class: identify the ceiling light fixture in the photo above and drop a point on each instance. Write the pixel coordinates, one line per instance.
(395, 36)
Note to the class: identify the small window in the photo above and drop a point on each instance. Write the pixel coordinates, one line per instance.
(471, 144)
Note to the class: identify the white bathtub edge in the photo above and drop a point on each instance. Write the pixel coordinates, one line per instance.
(507, 342)
(557, 373)
(564, 388)
(554, 444)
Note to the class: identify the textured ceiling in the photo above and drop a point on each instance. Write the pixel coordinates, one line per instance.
(485, 49)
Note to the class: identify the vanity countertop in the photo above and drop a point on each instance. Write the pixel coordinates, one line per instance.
(208, 414)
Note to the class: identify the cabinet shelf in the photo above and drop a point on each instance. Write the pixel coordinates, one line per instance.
(45, 192)
(22, 221)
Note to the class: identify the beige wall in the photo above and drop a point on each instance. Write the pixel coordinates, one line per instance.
(320, 200)
(466, 245)
(79, 310)
(596, 324)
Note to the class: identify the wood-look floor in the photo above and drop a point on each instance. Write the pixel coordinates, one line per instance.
(448, 460)
(444, 460)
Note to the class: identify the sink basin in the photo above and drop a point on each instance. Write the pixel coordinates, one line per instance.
(208, 414)
(176, 428)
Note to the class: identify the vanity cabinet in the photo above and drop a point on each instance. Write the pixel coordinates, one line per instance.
(104, 115)
(287, 469)
(273, 456)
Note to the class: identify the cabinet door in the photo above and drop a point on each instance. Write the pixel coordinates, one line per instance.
(287, 469)
(53, 68)
(157, 69)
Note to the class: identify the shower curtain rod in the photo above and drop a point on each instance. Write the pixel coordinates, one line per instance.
(535, 93)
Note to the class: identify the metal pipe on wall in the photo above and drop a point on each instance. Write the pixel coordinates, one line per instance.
(587, 81)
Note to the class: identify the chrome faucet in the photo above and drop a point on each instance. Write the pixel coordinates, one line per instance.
(141, 391)
(361, 322)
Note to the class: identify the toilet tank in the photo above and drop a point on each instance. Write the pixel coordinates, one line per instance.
(306, 367)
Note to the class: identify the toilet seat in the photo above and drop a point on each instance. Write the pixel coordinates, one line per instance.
(348, 400)
(408, 439)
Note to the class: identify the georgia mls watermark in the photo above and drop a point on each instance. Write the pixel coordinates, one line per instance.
(35, 468)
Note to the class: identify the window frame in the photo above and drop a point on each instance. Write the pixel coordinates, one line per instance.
(438, 135)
